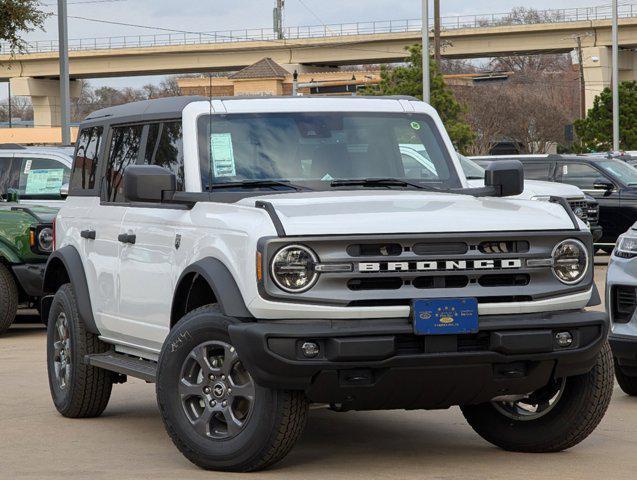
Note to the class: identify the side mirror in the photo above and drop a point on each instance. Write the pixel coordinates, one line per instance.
(64, 190)
(506, 177)
(603, 184)
(147, 183)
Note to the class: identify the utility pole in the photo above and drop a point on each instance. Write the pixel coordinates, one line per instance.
(437, 41)
(425, 52)
(65, 93)
(615, 79)
(582, 85)
(10, 109)
(278, 19)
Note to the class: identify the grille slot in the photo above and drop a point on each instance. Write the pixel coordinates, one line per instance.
(448, 281)
(447, 248)
(388, 283)
(504, 247)
(504, 280)
(624, 303)
(374, 250)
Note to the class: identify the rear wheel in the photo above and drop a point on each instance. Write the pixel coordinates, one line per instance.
(8, 299)
(627, 383)
(555, 418)
(215, 413)
(78, 390)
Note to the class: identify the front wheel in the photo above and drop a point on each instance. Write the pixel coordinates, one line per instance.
(555, 418)
(214, 412)
(8, 299)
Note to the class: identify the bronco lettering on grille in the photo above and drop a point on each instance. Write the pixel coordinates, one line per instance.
(438, 265)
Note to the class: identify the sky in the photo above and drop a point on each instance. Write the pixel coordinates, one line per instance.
(211, 15)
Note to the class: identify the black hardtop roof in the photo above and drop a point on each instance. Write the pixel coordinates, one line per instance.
(584, 157)
(172, 107)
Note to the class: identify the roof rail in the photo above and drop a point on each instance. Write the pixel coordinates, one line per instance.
(12, 146)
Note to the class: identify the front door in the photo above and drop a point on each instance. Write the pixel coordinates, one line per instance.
(585, 177)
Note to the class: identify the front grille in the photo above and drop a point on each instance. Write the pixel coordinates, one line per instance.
(624, 301)
(580, 209)
(393, 270)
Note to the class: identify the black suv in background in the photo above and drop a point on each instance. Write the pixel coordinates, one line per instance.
(612, 182)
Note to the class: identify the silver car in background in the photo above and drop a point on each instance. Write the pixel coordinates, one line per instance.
(621, 303)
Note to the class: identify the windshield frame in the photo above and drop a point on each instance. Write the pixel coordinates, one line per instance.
(455, 181)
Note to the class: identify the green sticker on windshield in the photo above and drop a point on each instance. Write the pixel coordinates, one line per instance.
(44, 182)
(415, 125)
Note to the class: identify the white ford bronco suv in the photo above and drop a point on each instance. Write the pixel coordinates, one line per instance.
(252, 256)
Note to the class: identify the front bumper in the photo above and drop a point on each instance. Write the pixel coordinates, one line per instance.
(597, 231)
(381, 364)
(625, 352)
(30, 276)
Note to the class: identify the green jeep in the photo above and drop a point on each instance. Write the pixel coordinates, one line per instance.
(26, 240)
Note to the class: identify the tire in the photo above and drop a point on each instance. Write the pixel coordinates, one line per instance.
(582, 405)
(627, 383)
(85, 391)
(272, 420)
(8, 299)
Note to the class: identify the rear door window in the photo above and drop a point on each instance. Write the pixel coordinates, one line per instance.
(41, 177)
(86, 159)
(124, 151)
(538, 170)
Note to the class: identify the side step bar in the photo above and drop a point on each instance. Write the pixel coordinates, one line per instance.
(124, 364)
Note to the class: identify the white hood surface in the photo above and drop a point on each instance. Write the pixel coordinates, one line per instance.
(394, 212)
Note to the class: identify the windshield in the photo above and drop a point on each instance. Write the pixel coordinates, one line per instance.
(317, 149)
(471, 169)
(621, 170)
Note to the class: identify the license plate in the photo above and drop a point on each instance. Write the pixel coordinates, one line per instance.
(445, 316)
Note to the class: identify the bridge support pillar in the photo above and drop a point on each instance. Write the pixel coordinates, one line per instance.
(598, 70)
(45, 97)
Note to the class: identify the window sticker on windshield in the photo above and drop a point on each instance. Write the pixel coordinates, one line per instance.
(565, 170)
(27, 166)
(222, 155)
(415, 125)
(44, 182)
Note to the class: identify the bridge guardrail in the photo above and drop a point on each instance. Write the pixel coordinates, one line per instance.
(602, 12)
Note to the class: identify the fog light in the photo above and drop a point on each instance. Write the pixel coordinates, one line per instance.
(310, 349)
(564, 339)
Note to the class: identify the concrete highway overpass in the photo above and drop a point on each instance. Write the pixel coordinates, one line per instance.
(35, 73)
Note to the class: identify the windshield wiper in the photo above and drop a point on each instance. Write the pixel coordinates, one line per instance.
(383, 182)
(257, 184)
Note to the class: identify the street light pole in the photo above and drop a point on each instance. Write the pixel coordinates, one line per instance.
(425, 52)
(65, 93)
(615, 76)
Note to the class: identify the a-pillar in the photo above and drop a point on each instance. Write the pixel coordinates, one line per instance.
(45, 97)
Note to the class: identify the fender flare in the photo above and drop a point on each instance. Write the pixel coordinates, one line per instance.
(222, 283)
(8, 253)
(70, 258)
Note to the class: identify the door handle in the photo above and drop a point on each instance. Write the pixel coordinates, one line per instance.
(88, 234)
(127, 238)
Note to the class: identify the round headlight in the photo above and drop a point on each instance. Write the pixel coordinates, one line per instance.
(570, 261)
(45, 239)
(293, 268)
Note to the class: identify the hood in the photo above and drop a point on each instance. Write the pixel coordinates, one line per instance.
(40, 213)
(538, 188)
(370, 212)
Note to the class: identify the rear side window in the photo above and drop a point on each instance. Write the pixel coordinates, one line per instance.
(537, 170)
(124, 151)
(165, 149)
(41, 177)
(9, 175)
(86, 158)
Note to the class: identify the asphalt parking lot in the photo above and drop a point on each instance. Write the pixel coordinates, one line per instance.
(129, 441)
